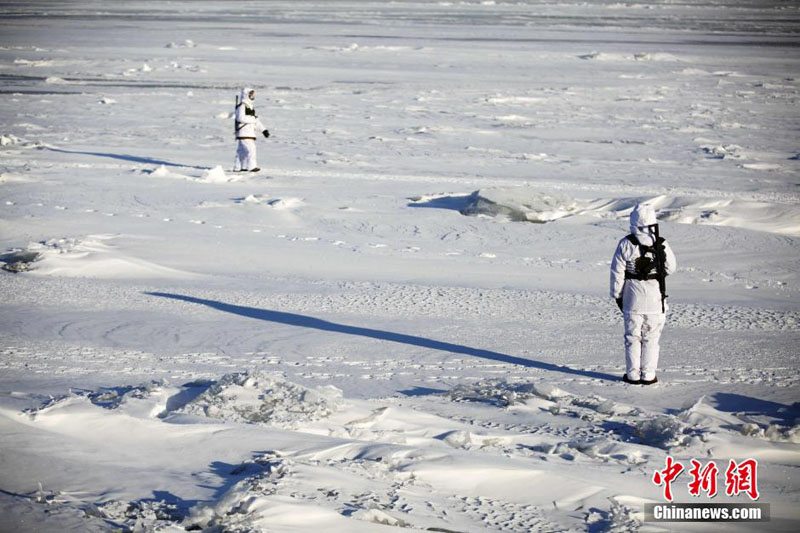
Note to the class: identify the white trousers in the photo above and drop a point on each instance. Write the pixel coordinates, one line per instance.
(245, 155)
(642, 333)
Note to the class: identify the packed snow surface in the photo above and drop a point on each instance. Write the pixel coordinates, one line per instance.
(402, 320)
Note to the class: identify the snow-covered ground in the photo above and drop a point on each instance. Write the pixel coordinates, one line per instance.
(403, 320)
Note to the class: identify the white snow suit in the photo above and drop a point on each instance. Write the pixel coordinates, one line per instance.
(641, 298)
(247, 124)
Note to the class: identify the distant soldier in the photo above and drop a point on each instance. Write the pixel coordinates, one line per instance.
(246, 125)
(641, 263)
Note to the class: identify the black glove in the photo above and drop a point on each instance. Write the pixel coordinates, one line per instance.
(619, 303)
(266, 133)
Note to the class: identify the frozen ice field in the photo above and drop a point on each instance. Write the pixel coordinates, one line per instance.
(403, 319)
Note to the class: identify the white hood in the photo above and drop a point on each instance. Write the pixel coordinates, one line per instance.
(643, 215)
(244, 98)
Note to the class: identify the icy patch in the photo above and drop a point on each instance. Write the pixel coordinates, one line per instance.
(377, 516)
(34, 63)
(703, 416)
(263, 398)
(275, 203)
(762, 166)
(9, 140)
(662, 432)
(15, 178)
(601, 56)
(107, 398)
(514, 100)
(18, 260)
(188, 43)
(773, 432)
(500, 392)
(529, 205)
(730, 151)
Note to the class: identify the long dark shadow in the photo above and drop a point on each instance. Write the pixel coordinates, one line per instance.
(323, 325)
(123, 157)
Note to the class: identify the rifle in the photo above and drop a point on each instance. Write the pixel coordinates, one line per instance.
(236, 122)
(661, 270)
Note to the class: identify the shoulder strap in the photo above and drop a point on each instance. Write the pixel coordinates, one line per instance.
(643, 249)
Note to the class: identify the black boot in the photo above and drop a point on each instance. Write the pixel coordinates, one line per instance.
(649, 381)
(629, 381)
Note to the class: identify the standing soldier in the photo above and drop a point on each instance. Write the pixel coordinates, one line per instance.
(641, 263)
(246, 124)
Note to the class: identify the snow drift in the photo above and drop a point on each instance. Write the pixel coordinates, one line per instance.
(531, 205)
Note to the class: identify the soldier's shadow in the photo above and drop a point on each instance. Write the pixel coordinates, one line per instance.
(124, 157)
(323, 325)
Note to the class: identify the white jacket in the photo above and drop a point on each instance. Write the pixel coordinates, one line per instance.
(248, 126)
(638, 296)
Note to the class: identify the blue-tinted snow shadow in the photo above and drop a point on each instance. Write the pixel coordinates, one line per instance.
(455, 203)
(421, 391)
(229, 474)
(737, 403)
(124, 157)
(303, 321)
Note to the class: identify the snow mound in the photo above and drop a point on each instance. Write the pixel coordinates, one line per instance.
(524, 204)
(91, 257)
(163, 172)
(285, 203)
(262, 398)
(500, 392)
(253, 199)
(215, 175)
